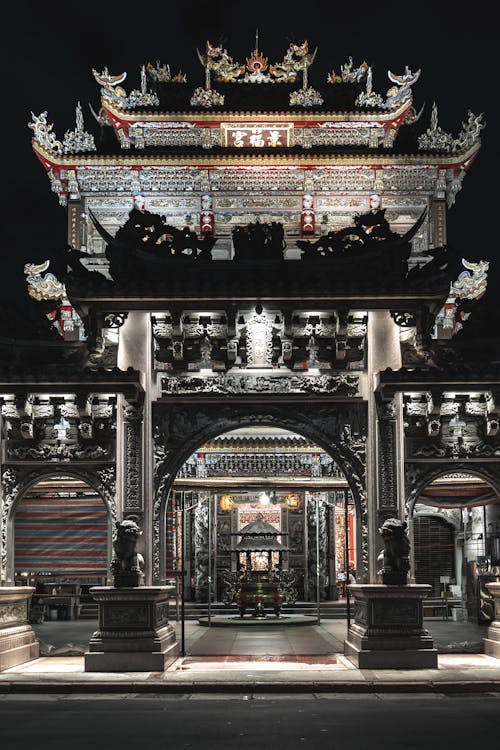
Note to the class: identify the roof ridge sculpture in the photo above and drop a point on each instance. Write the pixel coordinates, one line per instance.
(435, 138)
(216, 59)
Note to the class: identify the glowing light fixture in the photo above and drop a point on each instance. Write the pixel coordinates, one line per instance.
(292, 500)
(264, 498)
(227, 502)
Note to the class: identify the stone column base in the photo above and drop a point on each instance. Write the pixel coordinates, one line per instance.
(18, 643)
(134, 633)
(492, 641)
(388, 632)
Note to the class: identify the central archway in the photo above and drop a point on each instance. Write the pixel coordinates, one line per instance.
(179, 430)
(287, 480)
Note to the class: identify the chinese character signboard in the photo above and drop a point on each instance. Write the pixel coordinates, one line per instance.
(269, 135)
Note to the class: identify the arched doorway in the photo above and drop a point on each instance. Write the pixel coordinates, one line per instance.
(456, 540)
(288, 480)
(179, 429)
(60, 527)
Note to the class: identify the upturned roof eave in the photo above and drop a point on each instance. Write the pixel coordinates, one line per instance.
(441, 159)
(374, 115)
(54, 379)
(462, 378)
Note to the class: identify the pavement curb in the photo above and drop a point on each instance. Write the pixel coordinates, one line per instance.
(457, 687)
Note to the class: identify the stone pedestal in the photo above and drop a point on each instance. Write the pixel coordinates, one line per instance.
(387, 630)
(492, 641)
(134, 633)
(17, 639)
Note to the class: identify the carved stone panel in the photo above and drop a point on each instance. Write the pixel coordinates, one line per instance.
(393, 612)
(12, 614)
(387, 469)
(317, 535)
(125, 615)
(361, 613)
(201, 560)
(132, 428)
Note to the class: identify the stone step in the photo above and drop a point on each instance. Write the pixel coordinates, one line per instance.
(88, 612)
(328, 610)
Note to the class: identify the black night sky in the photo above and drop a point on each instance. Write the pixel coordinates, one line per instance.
(50, 49)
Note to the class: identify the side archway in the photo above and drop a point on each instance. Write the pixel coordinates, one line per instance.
(16, 482)
(454, 516)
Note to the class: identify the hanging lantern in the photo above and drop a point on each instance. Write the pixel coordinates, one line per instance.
(227, 502)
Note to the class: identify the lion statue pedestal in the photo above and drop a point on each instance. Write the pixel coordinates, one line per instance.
(134, 633)
(387, 631)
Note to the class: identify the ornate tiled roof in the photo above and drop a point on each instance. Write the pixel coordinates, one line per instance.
(260, 443)
(460, 375)
(53, 378)
(253, 107)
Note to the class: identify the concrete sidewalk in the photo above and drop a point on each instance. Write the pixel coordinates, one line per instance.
(455, 674)
(272, 659)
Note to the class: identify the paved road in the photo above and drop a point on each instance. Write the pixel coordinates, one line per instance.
(250, 722)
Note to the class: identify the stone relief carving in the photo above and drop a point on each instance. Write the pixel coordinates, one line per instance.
(317, 566)
(119, 616)
(133, 457)
(10, 491)
(58, 453)
(388, 491)
(456, 450)
(107, 488)
(11, 613)
(201, 560)
(340, 384)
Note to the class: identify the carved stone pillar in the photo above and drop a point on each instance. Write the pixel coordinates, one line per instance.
(317, 541)
(201, 562)
(383, 351)
(135, 350)
(132, 459)
(333, 593)
(387, 458)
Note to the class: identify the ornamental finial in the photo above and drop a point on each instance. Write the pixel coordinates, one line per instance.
(369, 98)
(401, 92)
(43, 133)
(112, 92)
(469, 135)
(434, 138)
(78, 140)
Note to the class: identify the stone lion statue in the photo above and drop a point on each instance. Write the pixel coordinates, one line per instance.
(127, 564)
(396, 553)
